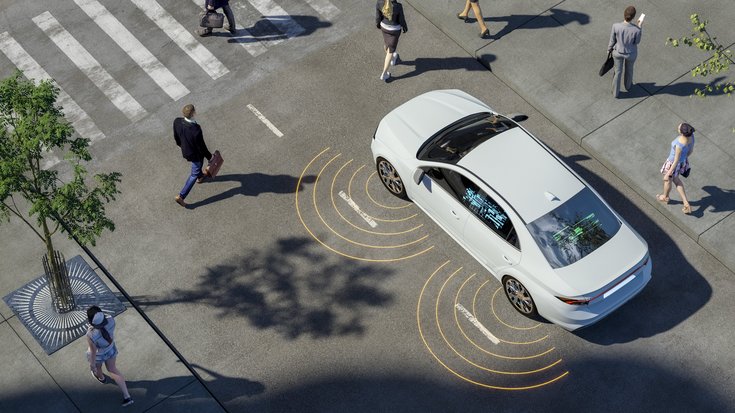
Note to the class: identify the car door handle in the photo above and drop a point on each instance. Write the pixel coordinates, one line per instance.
(508, 260)
(454, 213)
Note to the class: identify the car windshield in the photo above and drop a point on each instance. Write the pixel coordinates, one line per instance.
(458, 141)
(574, 229)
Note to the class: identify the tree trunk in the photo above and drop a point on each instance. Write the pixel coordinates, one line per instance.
(56, 275)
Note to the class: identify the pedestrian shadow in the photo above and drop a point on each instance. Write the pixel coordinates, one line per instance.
(265, 30)
(558, 17)
(292, 287)
(719, 200)
(676, 290)
(228, 388)
(427, 64)
(254, 184)
(675, 89)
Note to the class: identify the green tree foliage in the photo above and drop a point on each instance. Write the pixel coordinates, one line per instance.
(718, 63)
(32, 126)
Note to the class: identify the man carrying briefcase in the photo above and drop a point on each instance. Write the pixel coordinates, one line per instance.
(214, 5)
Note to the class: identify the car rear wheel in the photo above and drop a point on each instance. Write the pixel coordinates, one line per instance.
(390, 178)
(519, 296)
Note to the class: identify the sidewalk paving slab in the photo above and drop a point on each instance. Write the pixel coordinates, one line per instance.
(25, 385)
(193, 398)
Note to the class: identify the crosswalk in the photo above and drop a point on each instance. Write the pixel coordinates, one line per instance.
(86, 57)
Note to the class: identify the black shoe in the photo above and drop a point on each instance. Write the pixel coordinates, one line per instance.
(485, 34)
(463, 18)
(203, 32)
(127, 402)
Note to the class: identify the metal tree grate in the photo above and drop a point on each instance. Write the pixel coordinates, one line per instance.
(34, 306)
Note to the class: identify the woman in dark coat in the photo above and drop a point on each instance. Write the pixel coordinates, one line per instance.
(390, 20)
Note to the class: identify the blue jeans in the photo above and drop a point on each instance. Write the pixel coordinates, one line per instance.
(196, 172)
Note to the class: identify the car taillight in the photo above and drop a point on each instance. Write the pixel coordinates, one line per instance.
(574, 301)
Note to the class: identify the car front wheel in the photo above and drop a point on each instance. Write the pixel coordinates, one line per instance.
(519, 296)
(390, 178)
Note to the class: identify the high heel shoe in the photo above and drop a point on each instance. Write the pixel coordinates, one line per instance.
(485, 34)
(687, 209)
(463, 18)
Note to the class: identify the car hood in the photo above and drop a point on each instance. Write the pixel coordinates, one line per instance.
(408, 126)
(605, 265)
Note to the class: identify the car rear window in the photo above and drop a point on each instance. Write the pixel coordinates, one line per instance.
(574, 229)
(450, 146)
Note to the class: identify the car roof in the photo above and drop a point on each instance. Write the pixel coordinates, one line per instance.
(523, 172)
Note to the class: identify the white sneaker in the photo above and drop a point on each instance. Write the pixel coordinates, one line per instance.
(385, 76)
(394, 59)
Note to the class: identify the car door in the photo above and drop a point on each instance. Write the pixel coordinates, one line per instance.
(489, 233)
(438, 200)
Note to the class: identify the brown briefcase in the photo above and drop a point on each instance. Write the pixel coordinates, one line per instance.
(214, 164)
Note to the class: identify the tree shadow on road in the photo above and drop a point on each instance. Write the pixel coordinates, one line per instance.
(427, 64)
(265, 30)
(254, 184)
(292, 288)
(676, 291)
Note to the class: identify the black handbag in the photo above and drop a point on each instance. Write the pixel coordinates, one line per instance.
(609, 63)
(212, 19)
(685, 174)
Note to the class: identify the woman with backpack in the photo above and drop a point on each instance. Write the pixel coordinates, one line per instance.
(101, 348)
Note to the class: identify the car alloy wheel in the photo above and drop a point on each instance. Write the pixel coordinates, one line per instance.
(519, 296)
(390, 178)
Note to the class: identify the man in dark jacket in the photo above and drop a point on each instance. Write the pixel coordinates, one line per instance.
(212, 5)
(188, 136)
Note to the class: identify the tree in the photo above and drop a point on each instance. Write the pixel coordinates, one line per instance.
(32, 126)
(718, 63)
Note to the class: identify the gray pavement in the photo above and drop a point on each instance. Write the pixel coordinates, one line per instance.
(272, 321)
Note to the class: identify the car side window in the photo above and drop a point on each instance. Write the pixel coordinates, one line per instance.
(483, 206)
(439, 176)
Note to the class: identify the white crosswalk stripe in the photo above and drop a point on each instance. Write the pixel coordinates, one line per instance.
(78, 118)
(249, 42)
(90, 66)
(182, 37)
(324, 7)
(278, 17)
(134, 48)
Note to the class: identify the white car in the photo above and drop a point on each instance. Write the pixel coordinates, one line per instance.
(556, 246)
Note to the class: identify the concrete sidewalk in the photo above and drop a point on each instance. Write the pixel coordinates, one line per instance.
(32, 381)
(549, 53)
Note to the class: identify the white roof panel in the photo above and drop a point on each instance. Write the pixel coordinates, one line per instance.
(522, 171)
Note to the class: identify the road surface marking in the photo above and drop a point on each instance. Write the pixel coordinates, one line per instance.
(90, 66)
(134, 48)
(182, 37)
(278, 17)
(251, 43)
(78, 118)
(324, 7)
(357, 209)
(265, 120)
(477, 323)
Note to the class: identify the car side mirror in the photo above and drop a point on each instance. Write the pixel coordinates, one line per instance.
(518, 117)
(418, 175)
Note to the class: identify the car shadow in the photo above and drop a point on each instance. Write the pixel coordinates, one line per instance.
(253, 184)
(676, 290)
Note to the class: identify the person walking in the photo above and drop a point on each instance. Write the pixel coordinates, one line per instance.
(624, 39)
(678, 161)
(101, 348)
(188, 136)
(475, 5)
(214, 5)
(389, 18)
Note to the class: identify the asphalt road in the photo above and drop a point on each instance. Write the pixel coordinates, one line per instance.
(286, 299)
